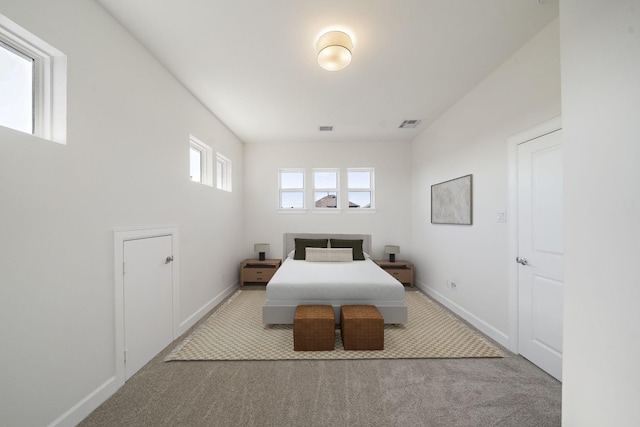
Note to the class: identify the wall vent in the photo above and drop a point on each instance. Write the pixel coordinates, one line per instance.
(410, 124)
(326, 128)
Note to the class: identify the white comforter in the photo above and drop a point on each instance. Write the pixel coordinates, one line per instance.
(330, 281)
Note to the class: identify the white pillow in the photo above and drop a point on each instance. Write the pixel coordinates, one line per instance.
(329, 254)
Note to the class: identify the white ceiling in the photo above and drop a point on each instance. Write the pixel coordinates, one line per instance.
(253, 62)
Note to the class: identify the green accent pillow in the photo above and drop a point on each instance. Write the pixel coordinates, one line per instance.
(301, 244)
(356, 245)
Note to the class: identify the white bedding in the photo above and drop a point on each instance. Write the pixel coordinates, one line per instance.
(333, 281)
(299, 282)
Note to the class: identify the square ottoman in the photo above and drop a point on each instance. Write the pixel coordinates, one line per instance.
(313, 328)
(362, 327)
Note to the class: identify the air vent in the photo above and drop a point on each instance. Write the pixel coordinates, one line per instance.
(326, 128)
(410, 123)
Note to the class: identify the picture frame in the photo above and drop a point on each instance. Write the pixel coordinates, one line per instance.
(451, 201)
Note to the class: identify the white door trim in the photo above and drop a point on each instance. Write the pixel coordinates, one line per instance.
(119, 237)
(534, 132)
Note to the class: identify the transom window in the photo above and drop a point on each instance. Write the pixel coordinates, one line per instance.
(16, 89)
(223, 172)
(195, 164)
(33, 84)
(291, 188)
(200, 162)
(325, 188)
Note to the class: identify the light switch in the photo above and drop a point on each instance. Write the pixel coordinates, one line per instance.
(501, 217)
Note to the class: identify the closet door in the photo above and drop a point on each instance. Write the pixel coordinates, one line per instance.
(148, 300)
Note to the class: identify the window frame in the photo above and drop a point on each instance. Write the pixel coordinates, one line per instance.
(206, 172)
(370, 189)
(49, 80)
(302, 190)
(223, 173)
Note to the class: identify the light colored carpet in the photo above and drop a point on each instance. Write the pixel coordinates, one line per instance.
(235, 332)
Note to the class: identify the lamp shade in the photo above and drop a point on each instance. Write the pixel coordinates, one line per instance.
(334, 50)
(391, 249)
(261, 247)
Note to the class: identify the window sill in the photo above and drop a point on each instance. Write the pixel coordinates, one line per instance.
(202, 183)
(327, 211)
(292, 211)
(362, 211)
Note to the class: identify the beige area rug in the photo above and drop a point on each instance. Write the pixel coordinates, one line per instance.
(235, 332)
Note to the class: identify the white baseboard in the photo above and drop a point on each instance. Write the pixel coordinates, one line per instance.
(496, 335)
(195, 317)
(88, 404)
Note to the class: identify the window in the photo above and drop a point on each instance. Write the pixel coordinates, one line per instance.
(195, 165)
(325, 188)
(223, 170)
(291, 189)
(360, 183)
(33, 84)
(16, 88)
(200, 162)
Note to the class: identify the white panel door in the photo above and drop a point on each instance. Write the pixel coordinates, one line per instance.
(540, 252)
(148, 300)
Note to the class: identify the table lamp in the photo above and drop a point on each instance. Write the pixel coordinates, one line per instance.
(392, 250)
(261, 248)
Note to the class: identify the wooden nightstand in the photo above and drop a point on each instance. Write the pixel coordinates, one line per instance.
(401, 270)
(256, 271)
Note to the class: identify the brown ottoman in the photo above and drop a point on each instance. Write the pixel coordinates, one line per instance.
(314, 328)
(362, 327)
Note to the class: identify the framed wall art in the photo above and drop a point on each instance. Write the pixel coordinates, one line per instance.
(451, 201)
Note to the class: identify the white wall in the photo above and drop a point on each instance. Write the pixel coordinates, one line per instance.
(471, 138)
(390, 224)
(125, 165)
(601, 118)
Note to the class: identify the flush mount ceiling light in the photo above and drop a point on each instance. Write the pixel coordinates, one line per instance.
(334, 50)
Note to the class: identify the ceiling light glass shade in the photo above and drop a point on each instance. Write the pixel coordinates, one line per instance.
(334, 50)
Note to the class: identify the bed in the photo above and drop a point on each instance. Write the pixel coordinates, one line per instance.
(332, 283)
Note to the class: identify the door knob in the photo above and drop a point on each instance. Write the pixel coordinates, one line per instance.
(168, 260)
(522, 261)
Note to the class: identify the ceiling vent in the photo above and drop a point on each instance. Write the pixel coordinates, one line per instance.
(410, 124)
(326, 128)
